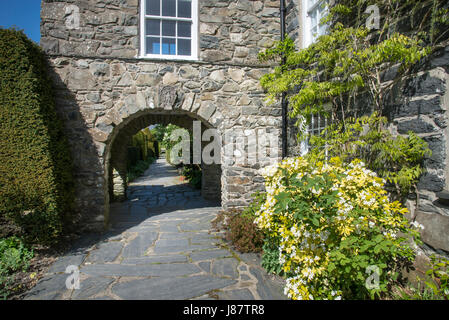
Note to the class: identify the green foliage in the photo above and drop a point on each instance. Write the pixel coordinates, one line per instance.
(270, 256)
(142, 147)
(411, 293)
(168, 143)
(340, 76)
(14, 257)
(158, 132)
(420, 19)
(140, 140)
(439, 273)
(332, 71)
(193, 174)
(36, 182)
(436, 287)
(398, 159)
(330, 224)
(328, 76)
(251, 210)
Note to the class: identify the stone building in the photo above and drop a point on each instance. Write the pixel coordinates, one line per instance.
(121, 65)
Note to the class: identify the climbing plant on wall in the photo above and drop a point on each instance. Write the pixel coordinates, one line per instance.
(351, 60)
(351, 71)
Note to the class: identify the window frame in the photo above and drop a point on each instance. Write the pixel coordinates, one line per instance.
(307, 36)
(314, 128)
(193, 40)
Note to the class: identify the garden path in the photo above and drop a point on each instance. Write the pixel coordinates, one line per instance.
(159, 247)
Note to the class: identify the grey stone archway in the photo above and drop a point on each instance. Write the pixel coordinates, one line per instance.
(169, 110)
(102, 100)
(116, 161)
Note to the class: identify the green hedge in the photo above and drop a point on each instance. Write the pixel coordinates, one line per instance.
(142, 147)
(36, 182)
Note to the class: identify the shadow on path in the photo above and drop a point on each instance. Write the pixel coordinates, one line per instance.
(159, 247)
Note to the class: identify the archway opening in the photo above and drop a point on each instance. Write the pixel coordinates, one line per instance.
(122, 155)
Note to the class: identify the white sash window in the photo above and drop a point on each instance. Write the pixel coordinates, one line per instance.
(312, 12)
(169, 29)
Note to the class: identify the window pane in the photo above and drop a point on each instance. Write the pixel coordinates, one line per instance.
(168, 46)
(169, 28)
(153, 7)
(322, 30)
(313, 19)
(153, 45)
(314, 33)
(184, 47)
(185, 8)
(169, 8)
(311, 3)
(153, 27)
(321, 10)
(184, 29)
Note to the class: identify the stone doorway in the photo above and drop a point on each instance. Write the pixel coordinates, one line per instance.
(116, 154)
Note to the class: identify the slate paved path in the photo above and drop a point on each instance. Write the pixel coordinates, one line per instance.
(159, 247)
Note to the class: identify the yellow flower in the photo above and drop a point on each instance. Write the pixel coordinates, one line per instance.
(304, 245)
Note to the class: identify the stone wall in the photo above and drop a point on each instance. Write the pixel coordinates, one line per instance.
(105, 92)
(229, 30)
(293, 20)
(99, 98)
(422, 106)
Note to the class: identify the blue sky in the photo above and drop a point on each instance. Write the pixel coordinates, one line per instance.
(25, 14)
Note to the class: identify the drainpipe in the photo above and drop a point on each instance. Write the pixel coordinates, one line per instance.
(284, 98)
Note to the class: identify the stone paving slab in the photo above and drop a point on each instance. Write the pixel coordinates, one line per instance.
(49, 288)
(106, 252)
(210, 254)
(170, 288)
(138, 270)
(139, 246)
(153, 251)
(170, 258)
(62, 263)
(240, 294)
(90, 287)
(226, 267)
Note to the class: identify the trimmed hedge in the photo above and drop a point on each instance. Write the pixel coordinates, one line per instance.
(142, 147)
(36, 182)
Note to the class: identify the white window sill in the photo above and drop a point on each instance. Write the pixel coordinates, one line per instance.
(167, 57)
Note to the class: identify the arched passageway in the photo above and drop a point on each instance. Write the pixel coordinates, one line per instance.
(107, 100)
(116, 153)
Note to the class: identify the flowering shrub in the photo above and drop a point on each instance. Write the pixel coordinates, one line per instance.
(335, 223)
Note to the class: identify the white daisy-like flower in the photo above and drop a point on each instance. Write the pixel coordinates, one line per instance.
(417, 225)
